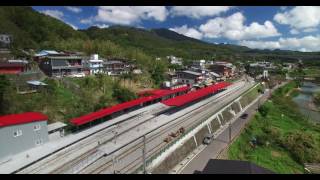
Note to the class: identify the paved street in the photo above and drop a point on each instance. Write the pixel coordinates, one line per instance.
(221, 142)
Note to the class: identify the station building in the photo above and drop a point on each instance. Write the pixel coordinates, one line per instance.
(20, 132)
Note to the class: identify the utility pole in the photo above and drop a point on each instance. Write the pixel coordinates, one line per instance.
(230, 132)
(144, 155)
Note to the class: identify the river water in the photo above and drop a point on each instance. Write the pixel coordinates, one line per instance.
(305, 97)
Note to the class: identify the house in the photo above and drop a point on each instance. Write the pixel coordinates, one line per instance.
(5, 41)
(62, 65)
(223, 68)
(175, 60)
(20, 132)
(189, 77)
(200, 64)
(115, 67)
(44, 53)
(13, 67)
(94, 64)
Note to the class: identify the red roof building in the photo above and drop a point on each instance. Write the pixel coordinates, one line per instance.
(12, 68)
(23, 118)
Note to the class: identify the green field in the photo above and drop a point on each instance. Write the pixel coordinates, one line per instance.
(285, 139)
(312, 71)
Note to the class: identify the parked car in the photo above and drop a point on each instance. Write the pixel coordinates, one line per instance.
(208, 139)
(244, 116)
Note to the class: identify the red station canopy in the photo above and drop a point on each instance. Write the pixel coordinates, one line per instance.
(194, 95)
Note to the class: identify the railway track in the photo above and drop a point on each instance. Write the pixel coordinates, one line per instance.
(155, 149)
(63, 154)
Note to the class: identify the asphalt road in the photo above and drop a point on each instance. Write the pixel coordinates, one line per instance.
(222, 140)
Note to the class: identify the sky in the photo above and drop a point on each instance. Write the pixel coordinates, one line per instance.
(274, 27)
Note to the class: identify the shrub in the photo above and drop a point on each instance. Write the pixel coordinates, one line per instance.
(302, 146)
(263, 110)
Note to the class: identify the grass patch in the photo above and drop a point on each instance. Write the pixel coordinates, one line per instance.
(285, 138)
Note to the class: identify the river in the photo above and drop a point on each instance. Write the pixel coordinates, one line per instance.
(305, 97)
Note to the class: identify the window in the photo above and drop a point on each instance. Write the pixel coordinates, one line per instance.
(37, 127)
(38, 142)
(17, 133)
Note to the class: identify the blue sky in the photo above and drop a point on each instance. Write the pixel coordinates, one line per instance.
(273, 27)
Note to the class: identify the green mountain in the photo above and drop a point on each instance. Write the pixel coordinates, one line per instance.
(31, 29)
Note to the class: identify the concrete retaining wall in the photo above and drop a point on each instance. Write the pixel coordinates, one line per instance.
(235, 107)
(227, 116)
(215, 125)
(176, 157)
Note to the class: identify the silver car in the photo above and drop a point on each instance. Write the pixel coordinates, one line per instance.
(208, 139)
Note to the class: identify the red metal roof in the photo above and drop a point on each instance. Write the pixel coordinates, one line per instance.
(109, 110)
(194, 95)
(15, 119)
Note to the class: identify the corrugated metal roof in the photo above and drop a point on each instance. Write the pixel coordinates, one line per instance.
(119, 107)
(110, 110)
(195, 95)
(23, 118)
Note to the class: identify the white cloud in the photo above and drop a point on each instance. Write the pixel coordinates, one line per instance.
(190, 32)
(294, 31)
(53, 13)
(233, 28)
(127, 15)
(310, 30)
(306, 44)
(89, 20)
(198, 11)
(74, 9)
(300, 17)
(101, 26)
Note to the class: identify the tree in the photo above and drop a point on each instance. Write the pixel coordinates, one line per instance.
(3, 86)
(263, 110)
(123, 94)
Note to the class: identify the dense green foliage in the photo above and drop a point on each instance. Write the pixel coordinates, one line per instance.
(3, 84)
(31, 29)
(285, 138)
(317, 98)
(67, 98)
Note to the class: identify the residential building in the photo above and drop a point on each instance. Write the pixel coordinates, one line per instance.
(199, 64)
(94, 64)
(62, 65)
(115, 67)
(189, 77)
(223, 68)
(13, 67)
(174, 60)
(5, 41)
(20, 132)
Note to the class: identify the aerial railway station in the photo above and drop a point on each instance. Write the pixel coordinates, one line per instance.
(151, 105)
(176, 97)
